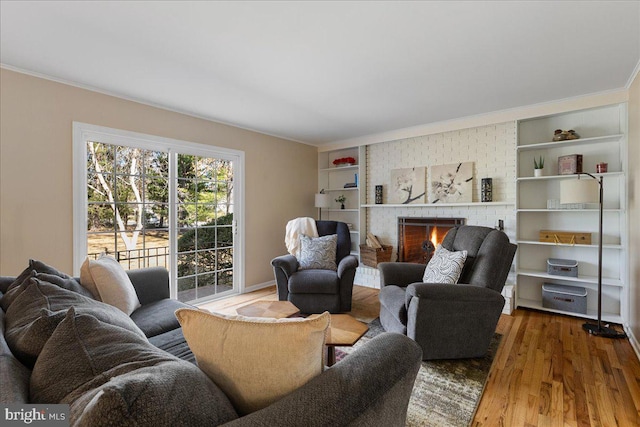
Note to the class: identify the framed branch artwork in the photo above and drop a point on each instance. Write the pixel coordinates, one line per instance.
(452, 183)
(408, 185)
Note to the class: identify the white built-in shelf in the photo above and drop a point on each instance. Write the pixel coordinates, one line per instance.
(342, 189)
(333, 178)
(436, 205)
(582, 279)
(570, 176)
(535, 242)
(591, 314)
(339, 168)
(568, 210)
(340, 210)
(603, 130)
(570, 142)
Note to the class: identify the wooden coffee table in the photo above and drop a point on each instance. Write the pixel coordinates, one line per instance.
(344, 331)
(272, 309)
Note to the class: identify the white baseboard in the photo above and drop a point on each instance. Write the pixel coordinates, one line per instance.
(632, 339)
(259, 286)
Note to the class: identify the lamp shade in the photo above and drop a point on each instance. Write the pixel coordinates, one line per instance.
(579, 191)
(322, 200)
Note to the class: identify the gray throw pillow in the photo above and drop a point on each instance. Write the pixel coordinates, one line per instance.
(83, 353)
(37, 311)
(318, 252)
(14, 376)
(16, 289)
(69, 283)
(23, 278)
(172, 393)
(445, 266)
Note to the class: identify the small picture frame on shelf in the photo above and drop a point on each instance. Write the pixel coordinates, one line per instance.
(571, 164)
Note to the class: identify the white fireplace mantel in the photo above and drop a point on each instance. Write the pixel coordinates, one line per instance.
(435, 205)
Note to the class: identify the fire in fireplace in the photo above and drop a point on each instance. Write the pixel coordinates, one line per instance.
(418, 237)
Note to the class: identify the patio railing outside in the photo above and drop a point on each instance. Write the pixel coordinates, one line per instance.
(139, 258)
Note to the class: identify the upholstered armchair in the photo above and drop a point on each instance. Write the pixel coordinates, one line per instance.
(450, 321)
(316, 290)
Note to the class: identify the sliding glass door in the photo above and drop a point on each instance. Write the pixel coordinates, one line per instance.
(164, 203)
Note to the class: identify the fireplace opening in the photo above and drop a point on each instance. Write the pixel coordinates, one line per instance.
(418, 237)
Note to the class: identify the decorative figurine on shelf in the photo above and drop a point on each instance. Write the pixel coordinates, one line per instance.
(341, 199)
(562, 135)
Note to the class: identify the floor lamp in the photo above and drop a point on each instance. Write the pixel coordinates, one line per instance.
(590, 191)
(322, 201)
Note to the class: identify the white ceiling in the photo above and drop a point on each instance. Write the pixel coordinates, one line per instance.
(321, 72)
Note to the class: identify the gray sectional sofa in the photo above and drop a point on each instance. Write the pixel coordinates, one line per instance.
(59, 345)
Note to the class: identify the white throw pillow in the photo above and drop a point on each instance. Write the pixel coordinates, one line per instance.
(318, 252)
(108, 281)
(255, 361)
(445, 266)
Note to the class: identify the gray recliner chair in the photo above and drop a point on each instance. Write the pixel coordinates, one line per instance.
(316, 291)
(450, 321)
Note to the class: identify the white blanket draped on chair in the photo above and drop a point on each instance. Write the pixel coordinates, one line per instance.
(295, 228)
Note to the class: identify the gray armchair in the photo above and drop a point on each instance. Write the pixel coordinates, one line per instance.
(315, 291)
(450, 321)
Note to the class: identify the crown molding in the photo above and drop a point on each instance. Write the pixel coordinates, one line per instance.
(501, 116)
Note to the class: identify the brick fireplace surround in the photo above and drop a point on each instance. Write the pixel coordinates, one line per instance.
(490, 147)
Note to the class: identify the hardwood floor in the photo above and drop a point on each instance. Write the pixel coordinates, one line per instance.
(547, 372)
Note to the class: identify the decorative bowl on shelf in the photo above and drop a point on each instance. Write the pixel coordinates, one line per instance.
(344, 161)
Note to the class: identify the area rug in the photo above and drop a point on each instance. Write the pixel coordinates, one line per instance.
(446, 392)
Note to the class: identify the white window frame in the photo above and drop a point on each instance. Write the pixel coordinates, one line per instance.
(84, 132)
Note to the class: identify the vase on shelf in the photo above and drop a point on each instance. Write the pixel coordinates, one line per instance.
(342, 206)
(537, 173)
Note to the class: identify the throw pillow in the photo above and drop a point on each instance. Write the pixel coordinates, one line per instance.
(16, 289)
(445, 266)
(83, 353)
(318, 252)
(106, 279)
(255, 361)
(23, 278)
(172, 393)
(35, 314)
(69, 284)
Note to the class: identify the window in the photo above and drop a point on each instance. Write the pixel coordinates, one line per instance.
(150, 201)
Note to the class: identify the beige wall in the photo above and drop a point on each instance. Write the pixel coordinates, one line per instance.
(634, 208)
(36, 118)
